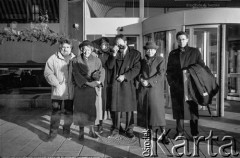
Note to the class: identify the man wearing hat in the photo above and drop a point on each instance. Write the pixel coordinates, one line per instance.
(88, 76)
(125, 65)
(151, 111)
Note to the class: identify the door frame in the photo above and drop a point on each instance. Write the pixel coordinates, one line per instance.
(220, 65)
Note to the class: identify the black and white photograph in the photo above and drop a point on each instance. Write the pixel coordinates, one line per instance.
(119, 78)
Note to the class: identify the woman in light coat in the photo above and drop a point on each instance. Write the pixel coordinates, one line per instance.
(58, 73)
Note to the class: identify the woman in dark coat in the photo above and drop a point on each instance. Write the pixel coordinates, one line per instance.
(103, 54)
(151, 92)
(88, 76)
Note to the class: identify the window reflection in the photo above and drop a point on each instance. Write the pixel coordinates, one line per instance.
(233, 64)
(160, 39)
(112, 8)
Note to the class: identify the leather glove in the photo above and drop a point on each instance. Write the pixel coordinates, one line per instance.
(96, 75)
(93, 84)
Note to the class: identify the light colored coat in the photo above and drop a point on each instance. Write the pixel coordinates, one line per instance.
(58, 73)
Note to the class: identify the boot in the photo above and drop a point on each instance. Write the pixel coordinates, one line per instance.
(100, 127)
(81, 133)
(92, 132)
(165, 139)
(66, 132)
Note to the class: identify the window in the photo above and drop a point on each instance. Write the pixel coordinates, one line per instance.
(113, 8)
(25, 11)
(160, 39)
(147, 37)
(233, 62)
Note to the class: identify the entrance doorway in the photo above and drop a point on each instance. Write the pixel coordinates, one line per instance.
(133, 41)
(207, 40)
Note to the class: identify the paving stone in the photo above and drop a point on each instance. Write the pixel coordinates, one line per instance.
(88, 151)
(9, 135)
(70, 146)
(117, 151)
(135, 151)
(23, 133)
(13, 144)
(66, 154)
(29, 147)
(7, 127)
(48, 148)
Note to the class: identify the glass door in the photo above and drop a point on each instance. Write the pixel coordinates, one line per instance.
(207, 40)
(132, 41)
(233, 62)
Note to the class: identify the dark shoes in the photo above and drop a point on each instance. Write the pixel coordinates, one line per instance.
(51, 136)
(114, 133)
(129, 133)
(93, 134)
(66, 132)
(81, 133)
(164, 139)
(121, 130)
(100, 129)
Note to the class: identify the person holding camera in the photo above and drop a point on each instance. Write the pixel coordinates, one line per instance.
(125, 65)
(103, 54)
(88, 76)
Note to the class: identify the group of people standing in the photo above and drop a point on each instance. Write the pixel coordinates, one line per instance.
(116, 79)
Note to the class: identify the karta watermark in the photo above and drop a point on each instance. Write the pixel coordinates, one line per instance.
(230, 143)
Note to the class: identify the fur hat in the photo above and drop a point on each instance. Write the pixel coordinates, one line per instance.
(150, 45)
(85, 43)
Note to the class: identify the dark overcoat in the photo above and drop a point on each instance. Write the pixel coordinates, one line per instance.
(85, 96)
(106, 91)
(124, 93)
(179, 60)
(151, 111)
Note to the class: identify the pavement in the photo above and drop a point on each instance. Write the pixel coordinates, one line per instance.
(24, 133)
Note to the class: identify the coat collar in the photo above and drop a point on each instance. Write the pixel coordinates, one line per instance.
(89, 58)
(184, 49)
(60, 56)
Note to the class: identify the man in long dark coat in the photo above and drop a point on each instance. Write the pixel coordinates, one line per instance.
(178, 60)
(125, 65)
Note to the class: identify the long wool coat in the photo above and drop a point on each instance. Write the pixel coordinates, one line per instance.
(124, 93)
(151, 111)
(85, 96)
(106, 90)
(179, 60)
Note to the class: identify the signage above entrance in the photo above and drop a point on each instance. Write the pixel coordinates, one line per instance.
(203, 0)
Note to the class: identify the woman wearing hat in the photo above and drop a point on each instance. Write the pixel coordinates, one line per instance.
(151, 93)
(88, 76)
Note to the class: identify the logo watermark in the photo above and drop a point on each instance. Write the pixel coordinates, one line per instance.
(225, 150)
